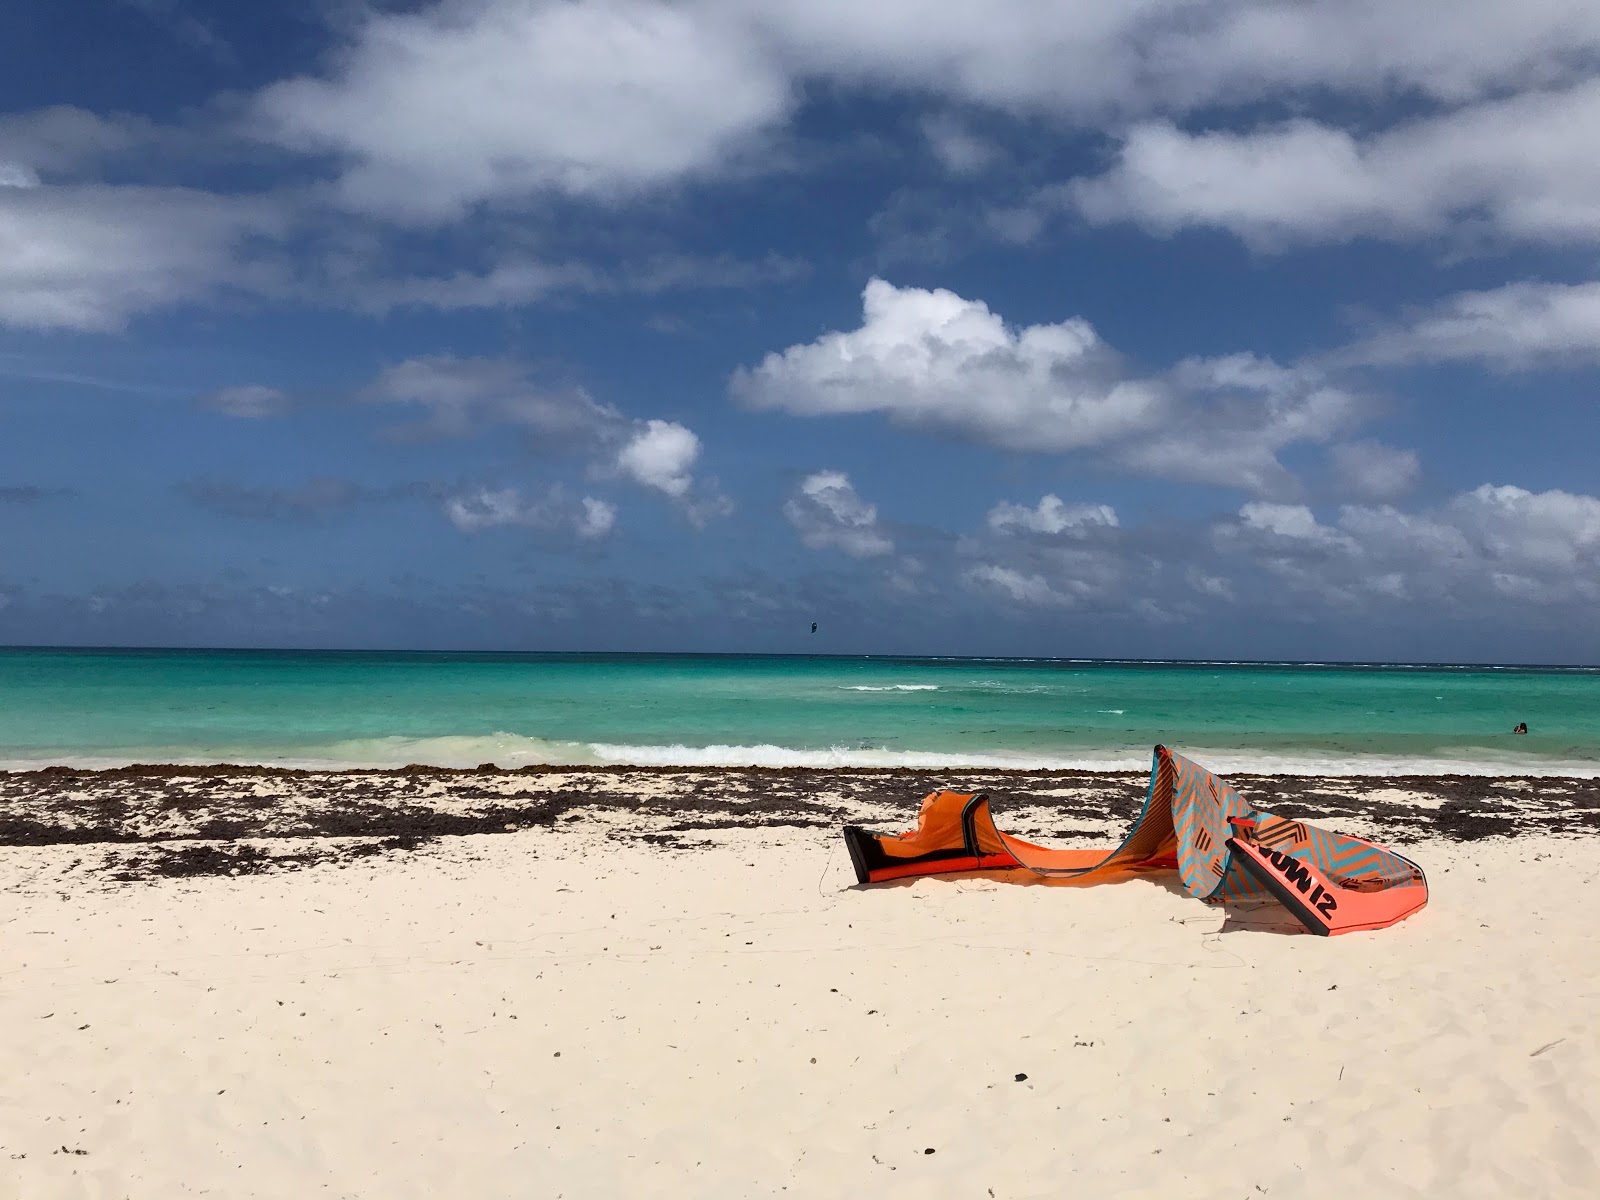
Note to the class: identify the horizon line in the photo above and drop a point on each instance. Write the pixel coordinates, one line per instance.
(1088, 659)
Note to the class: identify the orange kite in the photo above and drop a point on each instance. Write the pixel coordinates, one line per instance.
(1223, 849)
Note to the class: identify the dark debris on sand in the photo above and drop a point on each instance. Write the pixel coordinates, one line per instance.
(155, 822)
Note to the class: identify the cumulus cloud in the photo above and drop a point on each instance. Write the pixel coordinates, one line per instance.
(934, 361)
(1231, 416)
(434, 111)
(465, 396)
(462, 397)
(1523, 167)
(1051, 516)
(1031, 590)
(1498, 554)
(1370, 470)
(488, 508)
(91, 257)
(597, 519)
(1480, 548)
(1519, 326)
(828, 514)
(1293, 522)
(660, 455)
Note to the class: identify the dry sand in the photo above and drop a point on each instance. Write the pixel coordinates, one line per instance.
(607, 1005)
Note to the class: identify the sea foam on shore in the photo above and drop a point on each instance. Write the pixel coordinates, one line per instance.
(510, 751)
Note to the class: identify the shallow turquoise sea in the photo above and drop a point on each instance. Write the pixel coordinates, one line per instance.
(108, 707)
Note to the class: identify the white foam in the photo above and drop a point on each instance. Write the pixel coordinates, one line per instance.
(893, 687)
(835, 757)
(507, 750)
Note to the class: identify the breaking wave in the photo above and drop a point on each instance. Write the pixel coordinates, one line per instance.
(510, 751)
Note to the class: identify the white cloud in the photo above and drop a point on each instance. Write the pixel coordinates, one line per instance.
(1370, 470)
(1519, 326)
(1522, 167)
(933, 360)
(1088, 61)
(62, 140)
(828, 514)
(1370, 48)
(18, 175)
(1481, 547)
(428, 114)
(1052, 516)
(660, 455)
(1032, 590)
(488, 508)
(485, 509)
(462, 397)
(501, 100)
(1532, 530)
(598, 518)
(476, 99)
(1293, 521)
(89, 258)
(1497, 553)
(1232, 415)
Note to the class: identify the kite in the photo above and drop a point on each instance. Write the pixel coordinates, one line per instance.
(1224, 850)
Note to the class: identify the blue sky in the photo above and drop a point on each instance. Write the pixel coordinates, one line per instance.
(1170, 328)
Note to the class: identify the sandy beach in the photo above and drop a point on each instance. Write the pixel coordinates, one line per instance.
(559, 983)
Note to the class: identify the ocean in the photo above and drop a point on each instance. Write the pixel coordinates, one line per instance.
(99, 708)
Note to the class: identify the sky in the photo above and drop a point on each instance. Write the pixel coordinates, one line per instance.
(1162, 329)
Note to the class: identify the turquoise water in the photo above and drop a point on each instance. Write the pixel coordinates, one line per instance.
(95, 708)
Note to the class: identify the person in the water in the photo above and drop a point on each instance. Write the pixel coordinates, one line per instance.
(813, 627)
(1522, 727)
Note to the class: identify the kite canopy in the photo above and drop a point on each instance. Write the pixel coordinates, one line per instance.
(1222, 848)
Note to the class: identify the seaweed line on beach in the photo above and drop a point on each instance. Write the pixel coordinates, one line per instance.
(173, 821)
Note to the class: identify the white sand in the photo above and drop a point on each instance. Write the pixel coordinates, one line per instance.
(742, 1022)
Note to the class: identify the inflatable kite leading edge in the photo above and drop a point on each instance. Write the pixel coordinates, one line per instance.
(1223, 849)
